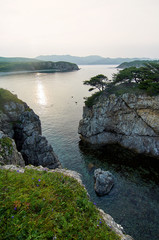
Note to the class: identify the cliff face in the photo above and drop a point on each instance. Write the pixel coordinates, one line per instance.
(129, 120)
(19, 122)
(8, 151)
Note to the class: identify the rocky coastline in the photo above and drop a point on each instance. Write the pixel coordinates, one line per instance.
(19, 123)
(130, 120)
(22, 146)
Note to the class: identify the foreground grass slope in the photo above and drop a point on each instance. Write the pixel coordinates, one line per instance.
(42, 205)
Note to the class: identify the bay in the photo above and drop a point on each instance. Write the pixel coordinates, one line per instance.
(58, 99)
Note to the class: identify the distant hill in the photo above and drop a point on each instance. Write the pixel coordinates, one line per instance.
(36, 66)
(88, 60)
(18, 59)
(138, 63)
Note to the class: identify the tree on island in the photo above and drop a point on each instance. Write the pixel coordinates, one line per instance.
(146, 77)
(100, 81)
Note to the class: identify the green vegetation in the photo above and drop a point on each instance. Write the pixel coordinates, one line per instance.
(146, 78)
(43, 205)
(136, 63)
(5, 142)
(6, 97)
(22, 66)
(90, 101)
(99, 82)
(129, 80)
(34, 66)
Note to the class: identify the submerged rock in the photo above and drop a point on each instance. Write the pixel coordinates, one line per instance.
(104, 182)
(130, 120)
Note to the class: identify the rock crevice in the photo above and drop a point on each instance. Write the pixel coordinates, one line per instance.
(20, 123)
(129, 120)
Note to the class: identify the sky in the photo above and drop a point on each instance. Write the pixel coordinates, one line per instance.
(109, 28)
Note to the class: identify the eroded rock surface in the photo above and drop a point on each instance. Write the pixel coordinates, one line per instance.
(129, 120)
(20, 123)
(8, 152)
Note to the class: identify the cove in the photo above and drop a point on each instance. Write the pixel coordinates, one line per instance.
(58, 99)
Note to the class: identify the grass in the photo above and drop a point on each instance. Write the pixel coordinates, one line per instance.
(42, 205)
(6, 97)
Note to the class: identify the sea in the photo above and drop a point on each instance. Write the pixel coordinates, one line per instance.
(58, 99)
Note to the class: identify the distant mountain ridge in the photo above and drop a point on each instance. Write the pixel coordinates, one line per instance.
(18, 59)
(88, 60)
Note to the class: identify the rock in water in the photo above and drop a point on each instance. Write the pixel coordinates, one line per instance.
(104, 182)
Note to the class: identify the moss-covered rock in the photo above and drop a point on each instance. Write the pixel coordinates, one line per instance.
(8, 152)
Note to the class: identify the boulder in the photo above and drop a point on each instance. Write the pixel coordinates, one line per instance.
(104, 181)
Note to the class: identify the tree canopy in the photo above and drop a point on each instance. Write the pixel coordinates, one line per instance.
(99, 82)
(138, 75)
(146, 77)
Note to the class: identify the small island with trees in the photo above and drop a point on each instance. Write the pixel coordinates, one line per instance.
(144, 79)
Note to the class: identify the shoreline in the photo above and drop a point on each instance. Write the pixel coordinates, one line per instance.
(35, 71)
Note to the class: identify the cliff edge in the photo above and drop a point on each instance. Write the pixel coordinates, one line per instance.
(19, 124)
(131, 120)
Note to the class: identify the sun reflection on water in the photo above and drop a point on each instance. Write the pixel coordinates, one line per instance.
(41, 96)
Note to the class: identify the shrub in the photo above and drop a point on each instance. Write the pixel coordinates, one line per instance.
(90, 101)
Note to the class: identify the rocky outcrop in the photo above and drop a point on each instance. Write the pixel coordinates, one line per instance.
(104, 181)
(130, 120)
(8, 152)
(117, 228)
(20, 122)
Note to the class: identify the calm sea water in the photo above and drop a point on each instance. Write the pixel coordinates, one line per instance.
(58, 99)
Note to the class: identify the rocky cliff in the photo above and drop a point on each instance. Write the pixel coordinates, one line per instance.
(19, 122)
(130, 120)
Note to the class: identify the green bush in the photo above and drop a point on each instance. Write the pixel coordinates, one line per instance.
(152, 88)
(90, 101)
(42, 205)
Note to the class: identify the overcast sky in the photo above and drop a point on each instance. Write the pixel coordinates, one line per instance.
(109, 28)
